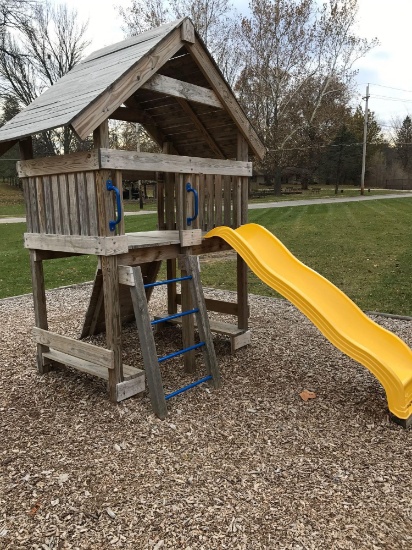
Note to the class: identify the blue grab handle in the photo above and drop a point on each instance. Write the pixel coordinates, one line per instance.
(111, 187)
(190, 189)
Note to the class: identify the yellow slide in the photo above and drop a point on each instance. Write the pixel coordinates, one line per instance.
(336, 316)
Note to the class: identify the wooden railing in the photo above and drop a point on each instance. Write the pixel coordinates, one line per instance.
(62, 204)
(222, 200)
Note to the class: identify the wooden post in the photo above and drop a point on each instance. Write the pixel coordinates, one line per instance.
(40, 309)
(109, 266)
(37, 277)
(242, 288)
(170, 224)
(147, 345)
(188, 324)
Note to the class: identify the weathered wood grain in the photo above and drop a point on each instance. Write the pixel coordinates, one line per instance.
(129, 160)
(81, 244)
(178, 88)
(60, 164)
(88, 352)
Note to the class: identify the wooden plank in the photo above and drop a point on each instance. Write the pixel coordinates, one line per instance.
(218, 200)
(49, 206)
(88, 352)
(170, 201)
(226, 96)
(125, 86)
(219, 306)
(192, 268)
(112, 321)
(128, 388)
(126, 276)
(64, 205)
(187, 31)
(240, 341)
(100, 246)
(33, 205)
(178, 88)
(73, 204)
(218, 327)
(92, 203)
(147, 345)
(180, 202)
(190, 237)
(168, 252)
(210, 203)
(158, 162)
(241, 210)
(57, 216)
(83, 204)
(60, 164)
(26, 193)
(227, 201)
(41, 208)
(160, 202)
(202, 195)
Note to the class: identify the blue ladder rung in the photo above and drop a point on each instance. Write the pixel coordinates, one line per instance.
(168, 281)
(189, 386)
(175, 316)
(180, 352)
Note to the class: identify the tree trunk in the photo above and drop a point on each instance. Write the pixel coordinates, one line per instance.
(278, 181)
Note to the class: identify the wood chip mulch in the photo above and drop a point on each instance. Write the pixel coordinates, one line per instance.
(252, 465)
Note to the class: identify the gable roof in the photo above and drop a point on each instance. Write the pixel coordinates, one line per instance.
(101, 83)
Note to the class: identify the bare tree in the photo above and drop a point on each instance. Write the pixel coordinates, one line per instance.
(216, 21)
(47, 45)
(298, 60)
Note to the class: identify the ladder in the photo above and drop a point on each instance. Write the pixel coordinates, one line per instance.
(132, 276)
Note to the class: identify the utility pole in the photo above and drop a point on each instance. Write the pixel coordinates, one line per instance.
(365, 135)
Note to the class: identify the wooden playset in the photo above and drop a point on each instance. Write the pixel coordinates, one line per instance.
(166, 80)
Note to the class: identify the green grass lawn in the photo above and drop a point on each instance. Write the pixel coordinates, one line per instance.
(363, 248)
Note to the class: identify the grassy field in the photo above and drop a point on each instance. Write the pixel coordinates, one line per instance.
(12, 203)
(363, 248)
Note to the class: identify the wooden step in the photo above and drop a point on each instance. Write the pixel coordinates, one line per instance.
(238, 336)
(90, 368)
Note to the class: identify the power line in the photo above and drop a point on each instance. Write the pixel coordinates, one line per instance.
(388, 87)
(387, 98)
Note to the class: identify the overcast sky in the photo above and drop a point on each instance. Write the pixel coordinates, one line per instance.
(387, 65)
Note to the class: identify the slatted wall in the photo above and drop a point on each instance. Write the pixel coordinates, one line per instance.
(222, 200)
(62, 204)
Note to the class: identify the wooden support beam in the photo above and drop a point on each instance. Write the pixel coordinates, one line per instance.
(191, 268)
(241, 198)
(109, 267)
(226, 96)
(77, 244)
(82, 350)
(112, 159)
(40, 310)
(201, 128)
(60, 164)
(178, 88)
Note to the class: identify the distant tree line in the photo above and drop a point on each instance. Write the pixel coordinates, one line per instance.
(290, 63)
